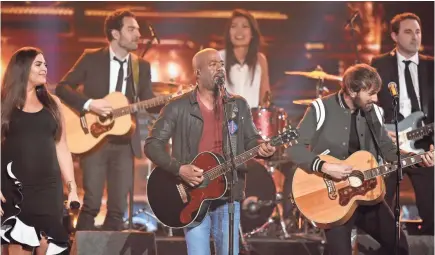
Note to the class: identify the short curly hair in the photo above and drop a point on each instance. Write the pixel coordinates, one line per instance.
(115, 21)
(361, 77)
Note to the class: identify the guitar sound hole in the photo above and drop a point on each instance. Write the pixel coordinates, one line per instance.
(97, 129)
(103, 119)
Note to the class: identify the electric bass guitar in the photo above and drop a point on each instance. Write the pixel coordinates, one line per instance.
(410, 132)
(327, 202)
(85, 131)
(177, 205)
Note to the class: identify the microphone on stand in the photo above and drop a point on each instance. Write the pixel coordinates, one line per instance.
(149, 43)
(153, 33)
(352, 19)
(392, 87)
(219, 82)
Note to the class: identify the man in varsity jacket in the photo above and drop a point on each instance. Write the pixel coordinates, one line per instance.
(340, 125)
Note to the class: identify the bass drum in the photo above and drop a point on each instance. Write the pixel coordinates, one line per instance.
(260, 186)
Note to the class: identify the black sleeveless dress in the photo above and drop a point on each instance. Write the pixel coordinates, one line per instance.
(31, 183)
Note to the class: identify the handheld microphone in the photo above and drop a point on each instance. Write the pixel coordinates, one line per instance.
(352, 19)
(74, 205)
(392, 87)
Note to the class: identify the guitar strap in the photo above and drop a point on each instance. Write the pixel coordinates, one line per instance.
(135, 71)
(370, 124)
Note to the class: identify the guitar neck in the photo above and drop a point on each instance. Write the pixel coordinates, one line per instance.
(420, 132)
(226, 166)
(132, 108)
(389, 168)
(239, 160)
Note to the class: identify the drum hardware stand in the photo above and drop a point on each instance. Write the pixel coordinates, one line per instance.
(278, 200)
(170, 233)
(320, 88)
(280, 216)
(270, 220)
(260, 229)
(246, 248)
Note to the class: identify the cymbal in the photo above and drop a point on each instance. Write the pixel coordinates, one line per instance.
(303, 101)
(166, 87)
(316, 75)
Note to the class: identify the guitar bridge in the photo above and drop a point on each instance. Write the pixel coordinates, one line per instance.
(182, 193)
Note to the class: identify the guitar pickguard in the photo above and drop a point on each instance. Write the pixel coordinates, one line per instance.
(97, 129)
(332, 192)
(346, 194)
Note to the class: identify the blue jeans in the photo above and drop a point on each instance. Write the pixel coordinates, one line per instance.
(215, 222)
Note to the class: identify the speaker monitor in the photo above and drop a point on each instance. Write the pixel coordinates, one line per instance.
(113, 242)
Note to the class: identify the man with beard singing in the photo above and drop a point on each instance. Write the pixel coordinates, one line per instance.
(339, 125)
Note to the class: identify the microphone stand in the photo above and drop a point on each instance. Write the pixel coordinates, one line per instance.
(136, 99)
(398, 173)
(352, 33)
(233, 173)
(148, 46)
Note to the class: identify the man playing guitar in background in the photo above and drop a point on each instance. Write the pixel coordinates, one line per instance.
(414, 74)
(195, 123)
(102, 71)
(350, 121)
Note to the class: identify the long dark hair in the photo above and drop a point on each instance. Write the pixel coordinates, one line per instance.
(254, 45)
(14, 90)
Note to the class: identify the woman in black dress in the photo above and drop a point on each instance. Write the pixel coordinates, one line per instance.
(35, 156)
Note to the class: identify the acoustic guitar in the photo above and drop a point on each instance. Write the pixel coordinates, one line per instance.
(327, 202)
(177, 205)
(85, 130)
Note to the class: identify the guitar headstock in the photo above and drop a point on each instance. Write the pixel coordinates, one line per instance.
(286, 137)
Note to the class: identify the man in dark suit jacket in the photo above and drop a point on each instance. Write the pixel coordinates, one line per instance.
(414, 75)
(102, 71)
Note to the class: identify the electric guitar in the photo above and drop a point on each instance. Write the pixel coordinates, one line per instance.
(176, 204)
(327, 202)
(84, 132)
(410, 132)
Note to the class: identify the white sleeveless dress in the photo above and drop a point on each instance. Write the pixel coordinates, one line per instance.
(241, 79)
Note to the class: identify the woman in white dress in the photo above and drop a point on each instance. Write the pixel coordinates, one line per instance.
(246, 66)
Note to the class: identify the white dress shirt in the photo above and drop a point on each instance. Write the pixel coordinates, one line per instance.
(405, 101)
(114, 69)
(242, 81)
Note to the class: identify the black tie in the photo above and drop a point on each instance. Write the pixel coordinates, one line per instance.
(410, 87)
(120, 74)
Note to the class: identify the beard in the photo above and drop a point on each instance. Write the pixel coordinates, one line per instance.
(364, 106)
(209, 85)
(128, 46)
